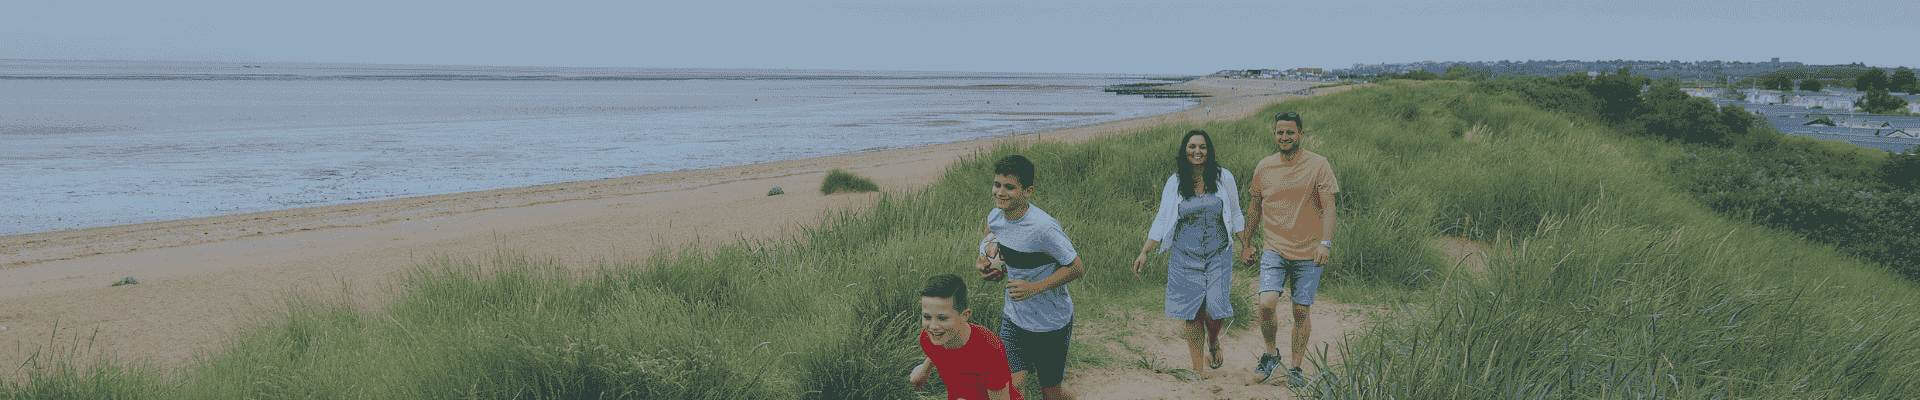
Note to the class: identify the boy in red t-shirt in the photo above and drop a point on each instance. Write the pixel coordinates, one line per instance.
(971, 360)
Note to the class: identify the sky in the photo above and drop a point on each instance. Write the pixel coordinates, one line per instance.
(1118, 36)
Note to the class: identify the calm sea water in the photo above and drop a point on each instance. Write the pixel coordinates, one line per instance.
(90, 143)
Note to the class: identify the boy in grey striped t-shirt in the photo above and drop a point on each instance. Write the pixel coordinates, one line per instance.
(1027, 247)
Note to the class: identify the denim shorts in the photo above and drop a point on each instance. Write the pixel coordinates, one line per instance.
(1044, 353)
(1275, 272)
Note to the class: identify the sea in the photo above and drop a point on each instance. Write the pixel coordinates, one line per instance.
(100, 143)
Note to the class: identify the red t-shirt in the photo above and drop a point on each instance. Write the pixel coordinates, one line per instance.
(973, 368)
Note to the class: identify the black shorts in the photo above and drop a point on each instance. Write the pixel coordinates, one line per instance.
(1044, 353)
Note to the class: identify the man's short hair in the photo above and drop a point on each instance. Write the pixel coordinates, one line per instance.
(1016, 165)
(947, 286)
(1291, 116)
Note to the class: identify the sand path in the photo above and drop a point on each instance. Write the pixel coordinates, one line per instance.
(1150, 347)
(201, 279)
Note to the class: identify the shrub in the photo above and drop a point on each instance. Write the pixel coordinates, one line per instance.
(1903, 170)
(1811, 85)
(843, 181)
(1878, 101)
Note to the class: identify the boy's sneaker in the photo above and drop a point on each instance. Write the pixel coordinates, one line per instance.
(1296, 378)
(1268, 363)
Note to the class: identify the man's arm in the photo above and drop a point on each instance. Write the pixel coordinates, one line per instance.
(1254, 198)
(1327, 220)
(1253, 221)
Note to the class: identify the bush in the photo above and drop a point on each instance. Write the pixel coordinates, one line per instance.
(1872, 79)
(1777, 82)
(1811, 85)
(1902, 171)
(843, 181)
(1903, 81)
(1833, 193)
(1878, 101)
(1461, 72)
(1567, 95)
(1619, 94)
(1668, 112)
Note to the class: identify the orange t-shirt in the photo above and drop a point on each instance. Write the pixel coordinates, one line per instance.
(1292, 196)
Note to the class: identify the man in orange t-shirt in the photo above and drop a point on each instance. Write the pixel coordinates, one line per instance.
(1291, 206)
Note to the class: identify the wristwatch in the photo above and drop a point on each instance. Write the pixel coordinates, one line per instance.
(1326, 243)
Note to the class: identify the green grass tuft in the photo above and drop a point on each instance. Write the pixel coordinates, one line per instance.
(842, 181)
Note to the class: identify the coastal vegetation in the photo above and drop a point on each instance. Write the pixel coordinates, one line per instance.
(841, 181)
(1624, 260)
(1846, 196)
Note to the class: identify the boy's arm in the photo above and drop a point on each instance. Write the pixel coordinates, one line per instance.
(920, 373)
(1060, 248)
(1065, 274)
(986, 238)
(998, 373)
(988, 251)
(1021, 290)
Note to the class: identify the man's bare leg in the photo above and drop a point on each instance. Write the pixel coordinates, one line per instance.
(1302, 328)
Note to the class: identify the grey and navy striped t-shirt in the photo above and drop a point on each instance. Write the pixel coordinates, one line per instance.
(1034, 247)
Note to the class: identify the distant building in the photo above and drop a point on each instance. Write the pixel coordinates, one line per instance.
(1300, 74)
(1893, 133)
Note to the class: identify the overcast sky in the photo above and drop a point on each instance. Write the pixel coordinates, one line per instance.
(987, 35)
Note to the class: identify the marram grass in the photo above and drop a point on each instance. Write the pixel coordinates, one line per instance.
(1604, 281)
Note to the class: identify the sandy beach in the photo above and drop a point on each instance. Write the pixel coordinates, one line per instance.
(202, 279)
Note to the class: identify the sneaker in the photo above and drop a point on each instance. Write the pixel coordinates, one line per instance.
(1268, 363)
(1296, 378)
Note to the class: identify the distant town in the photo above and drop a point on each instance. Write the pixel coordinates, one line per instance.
(1702, 71)
(1821, 101)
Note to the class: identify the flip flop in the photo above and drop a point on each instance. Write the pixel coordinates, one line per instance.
(1215, 361)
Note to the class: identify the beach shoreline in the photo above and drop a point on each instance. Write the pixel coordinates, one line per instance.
(200, 279)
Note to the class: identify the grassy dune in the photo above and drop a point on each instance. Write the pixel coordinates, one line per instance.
(1605, 280)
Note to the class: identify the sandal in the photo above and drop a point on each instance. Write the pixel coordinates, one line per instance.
(1215, 361)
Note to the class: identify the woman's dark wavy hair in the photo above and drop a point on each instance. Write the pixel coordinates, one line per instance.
(1210, 171)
